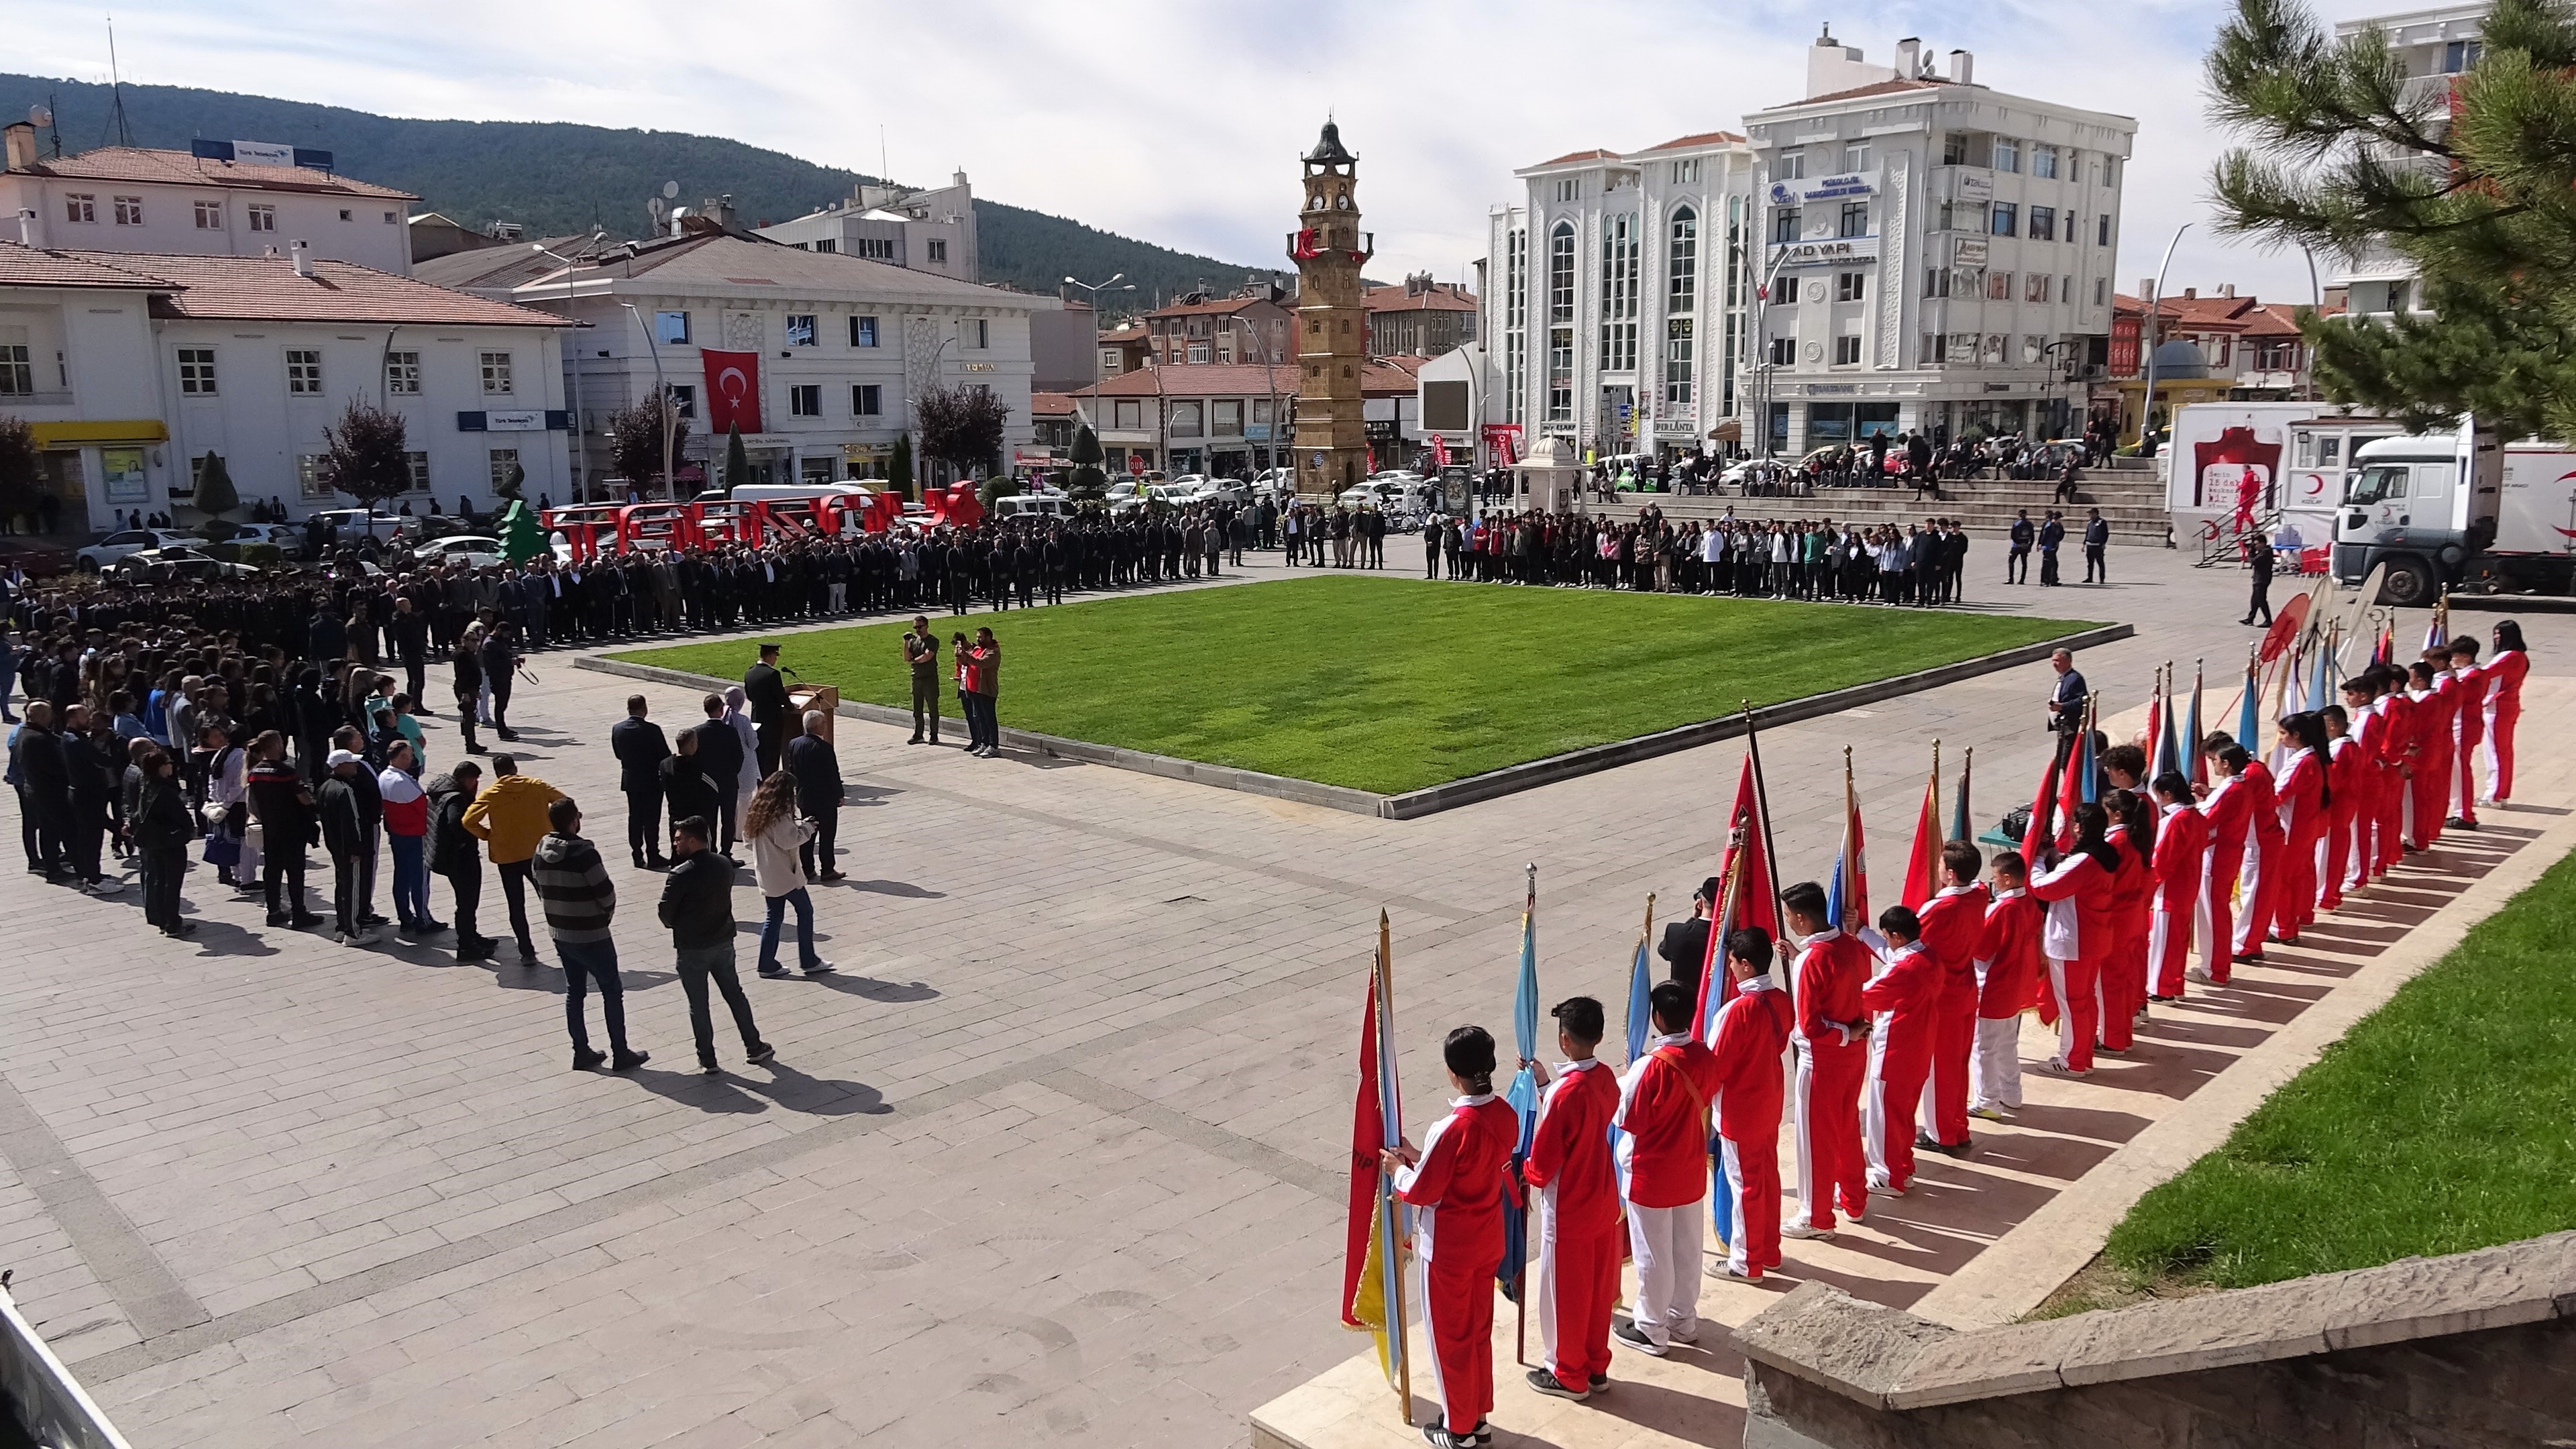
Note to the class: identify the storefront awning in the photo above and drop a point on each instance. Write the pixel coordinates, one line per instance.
(72, 435)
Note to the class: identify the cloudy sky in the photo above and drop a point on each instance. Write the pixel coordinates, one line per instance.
(1180, 122)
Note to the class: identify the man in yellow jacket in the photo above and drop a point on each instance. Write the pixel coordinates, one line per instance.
(509, 817)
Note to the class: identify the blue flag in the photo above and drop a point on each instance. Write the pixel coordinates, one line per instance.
(1522, 1095)
(2249, 714)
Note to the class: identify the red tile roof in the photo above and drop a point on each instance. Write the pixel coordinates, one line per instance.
(1446, 297)
(1050, 404)
(1705, 138)
(266, 289)
(178, 168)
(1215, 306)
(1239, 379)
(28, 267)
(1881, 88)
(1595, 154)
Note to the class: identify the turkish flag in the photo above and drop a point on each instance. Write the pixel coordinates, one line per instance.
(733, 390)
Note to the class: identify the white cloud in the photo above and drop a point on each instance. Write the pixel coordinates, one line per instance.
(1180, 123)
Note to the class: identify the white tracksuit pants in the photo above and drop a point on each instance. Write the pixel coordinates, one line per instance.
(1994, 1072)
(1667, 1244)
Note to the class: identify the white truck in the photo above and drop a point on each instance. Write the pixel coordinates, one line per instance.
(2458, 509)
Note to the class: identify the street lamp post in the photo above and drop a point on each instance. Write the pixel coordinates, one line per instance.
(1269, 384)
(2147, 329)
(1095, 289)
(580, 474)
(661, 398)
(1762, 365)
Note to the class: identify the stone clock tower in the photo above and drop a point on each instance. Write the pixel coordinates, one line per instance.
(1332, 328)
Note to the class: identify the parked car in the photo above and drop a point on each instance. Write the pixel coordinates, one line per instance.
(1032, 505)
(165, 564)
(360, 522)
(34, 555)
(132, 540)
(285, 535)
(477, 550)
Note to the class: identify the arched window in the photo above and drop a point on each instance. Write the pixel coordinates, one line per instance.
(1560, 273)
(1681, 263)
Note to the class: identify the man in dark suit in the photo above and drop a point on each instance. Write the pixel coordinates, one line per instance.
(818, 793)
(640, 749)
(1685, 944)
(720, 760)
(2052, 534)
(2066, 701)
(771, 714)
(2097, 547)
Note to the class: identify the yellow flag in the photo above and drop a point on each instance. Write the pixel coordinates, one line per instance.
(1368, 1301)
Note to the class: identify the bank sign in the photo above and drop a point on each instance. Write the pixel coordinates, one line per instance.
(1823, 188)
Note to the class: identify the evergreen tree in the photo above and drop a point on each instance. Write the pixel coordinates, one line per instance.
(899, 470)
(1089, 482)
(216, 495)
(737, 463)
(521, 538)
(2349, 156)
(22, 466)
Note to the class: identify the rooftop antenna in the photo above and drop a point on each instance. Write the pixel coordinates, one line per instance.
(116, 90)
(885, 168)
(44, 116)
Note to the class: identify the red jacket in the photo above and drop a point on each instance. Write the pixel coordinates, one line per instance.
(1664, 1111)
(1752, 1032)
(2265, 804)
(1831, 971)
(1952, 921)
(2229, 811)
(1570, 1149)
(2182, 847)
(2299, 798)
(2008, 945)
(2351, 777)
(1909, 991)
(1459, 1183)
(2084, 929)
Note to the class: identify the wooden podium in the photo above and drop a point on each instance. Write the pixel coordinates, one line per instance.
(824, 697)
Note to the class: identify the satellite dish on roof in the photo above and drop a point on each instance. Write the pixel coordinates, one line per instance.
(670, 191)
(653, 204)
(40, 115)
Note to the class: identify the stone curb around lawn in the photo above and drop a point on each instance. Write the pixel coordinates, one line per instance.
(1493, 784)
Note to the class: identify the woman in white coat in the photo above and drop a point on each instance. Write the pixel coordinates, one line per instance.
(777, 835)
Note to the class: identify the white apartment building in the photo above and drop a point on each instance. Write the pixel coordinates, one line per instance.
(921, 229)
(1934, 255)
(1615, 297)
(839, 347)
(2436, 46)
(173, 203)
(132, 368)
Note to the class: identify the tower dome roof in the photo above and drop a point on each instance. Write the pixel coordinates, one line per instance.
(1329, 150)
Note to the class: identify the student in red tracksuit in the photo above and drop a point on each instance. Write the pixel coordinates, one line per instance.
(2079, 934)
(1904, 999)
(2349, 803)
(2471, 711)
(2366, 723)
(2123, 981)
(2228, 807)
(1664, 1109)
(2267, 858)
(1832, 1043)
(2306, 808)
(2396, 764)
(1952, 921)
(1574, 1193)
(2437, 703)
(1459, 1182)
(1752, 1032)
(2504, 672)
(2181, 864)
(2008, 966)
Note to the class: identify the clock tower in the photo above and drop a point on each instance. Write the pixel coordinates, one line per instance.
(1332, 328)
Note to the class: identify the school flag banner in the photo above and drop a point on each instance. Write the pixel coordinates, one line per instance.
(1374, 1287)
(1924, 856)
(1747, 902)
(1847, 898)
(1522, 1095)
(2249, 710)
(1963, 825)
(2192, 764)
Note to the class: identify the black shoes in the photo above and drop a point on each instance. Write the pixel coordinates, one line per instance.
(764, 1056)
(629, 1061)
(587, 1061)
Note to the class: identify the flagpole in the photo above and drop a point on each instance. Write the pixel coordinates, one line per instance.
(1762, 806)
(1520, 1270)
(1403, 1353)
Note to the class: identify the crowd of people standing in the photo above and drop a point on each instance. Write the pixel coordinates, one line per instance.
(1916, 564)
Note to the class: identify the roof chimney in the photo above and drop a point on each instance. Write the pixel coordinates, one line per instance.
(26, 226)
(2191, 294)
(302, 252)
(1909, 57)
(21, 145)
(2146, 289)
(2227, 290)
(1963, 68)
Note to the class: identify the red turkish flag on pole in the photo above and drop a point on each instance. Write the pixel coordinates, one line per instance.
(733, 390)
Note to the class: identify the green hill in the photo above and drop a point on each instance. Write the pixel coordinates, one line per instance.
(555, 177)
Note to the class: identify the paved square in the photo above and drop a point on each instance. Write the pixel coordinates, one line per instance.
(1059, 1155)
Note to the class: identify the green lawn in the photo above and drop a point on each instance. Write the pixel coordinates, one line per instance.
(2445, 1121)
(1393, 684)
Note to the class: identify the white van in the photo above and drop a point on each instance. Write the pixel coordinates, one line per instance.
(1032, 505)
